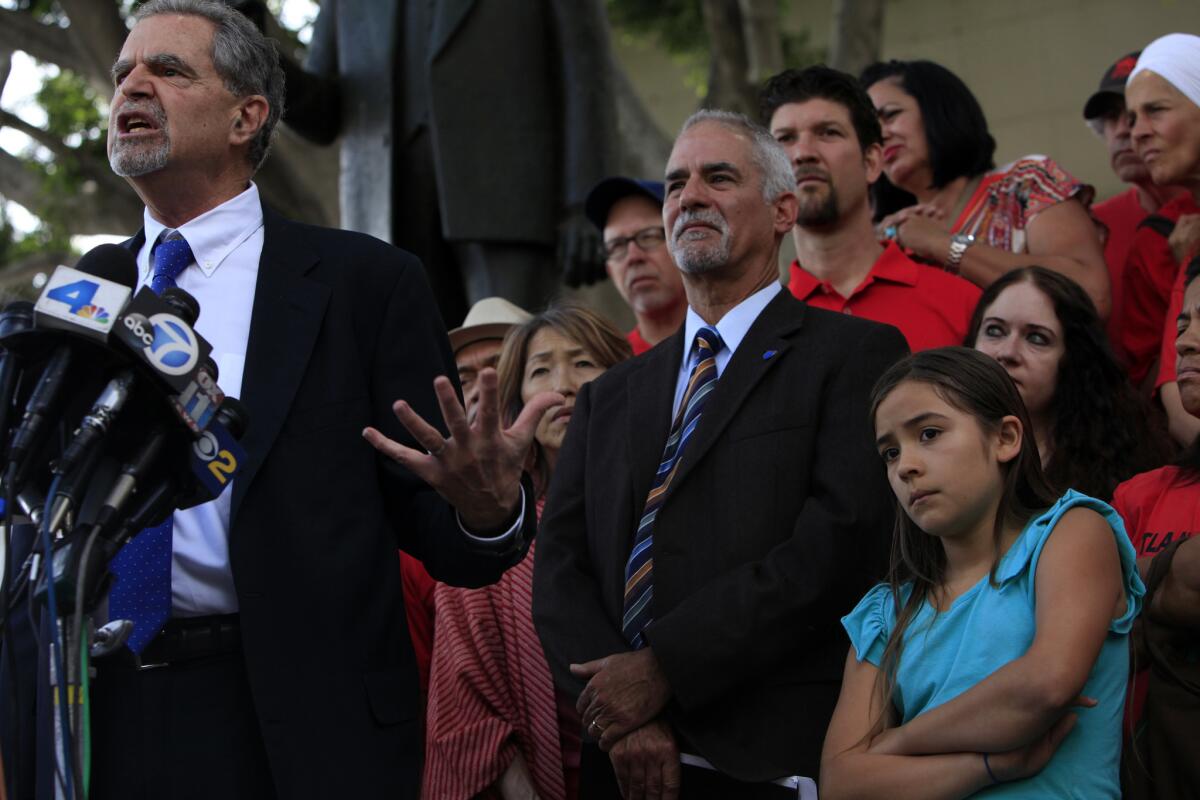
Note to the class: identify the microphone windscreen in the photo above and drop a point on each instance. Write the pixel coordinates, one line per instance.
(112, 262)
(17, 316)
(234, 415)
(186, 306)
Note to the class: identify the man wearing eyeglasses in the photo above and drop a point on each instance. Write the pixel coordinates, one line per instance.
(629, 215)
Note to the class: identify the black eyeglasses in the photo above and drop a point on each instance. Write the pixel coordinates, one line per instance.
(647, 239)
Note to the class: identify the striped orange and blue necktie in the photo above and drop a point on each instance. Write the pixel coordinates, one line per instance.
(639, 569)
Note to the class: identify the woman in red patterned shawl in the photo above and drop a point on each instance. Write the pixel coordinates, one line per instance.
(496, 725)
(943, 200)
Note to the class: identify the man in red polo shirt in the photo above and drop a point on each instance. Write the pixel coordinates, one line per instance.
(629, 215)
(828, 126)
(1124, 212)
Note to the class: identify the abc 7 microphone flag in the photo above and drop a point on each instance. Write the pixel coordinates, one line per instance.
(161, 335)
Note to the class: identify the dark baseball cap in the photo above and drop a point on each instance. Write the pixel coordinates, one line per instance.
(605, 194)
(1112, 84)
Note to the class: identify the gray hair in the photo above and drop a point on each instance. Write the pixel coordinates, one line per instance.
(768, 155)
(247, 61)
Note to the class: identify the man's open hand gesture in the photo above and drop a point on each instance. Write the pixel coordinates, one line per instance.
(478, 469)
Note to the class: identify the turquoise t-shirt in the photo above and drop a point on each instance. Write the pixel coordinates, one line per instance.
(947, 653)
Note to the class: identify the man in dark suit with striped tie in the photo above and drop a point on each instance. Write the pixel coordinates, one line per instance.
(717, 505)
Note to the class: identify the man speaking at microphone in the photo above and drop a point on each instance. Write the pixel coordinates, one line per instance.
(272, 658)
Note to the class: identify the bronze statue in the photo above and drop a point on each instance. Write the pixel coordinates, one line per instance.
(471, 132)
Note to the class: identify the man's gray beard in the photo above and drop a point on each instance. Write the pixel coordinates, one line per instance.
(699, 257)
(826, 213)
(703, 257)
(131, 161)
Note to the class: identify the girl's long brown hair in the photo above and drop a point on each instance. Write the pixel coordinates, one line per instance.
(979, 386)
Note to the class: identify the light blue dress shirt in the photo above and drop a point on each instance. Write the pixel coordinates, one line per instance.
(732, 327)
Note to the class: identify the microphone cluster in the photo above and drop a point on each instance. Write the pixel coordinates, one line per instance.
(121, 420)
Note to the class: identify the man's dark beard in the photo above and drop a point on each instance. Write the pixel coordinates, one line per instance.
(819, 216)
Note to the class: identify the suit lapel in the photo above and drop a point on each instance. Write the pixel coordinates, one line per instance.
(743, 372)
(448, 16)
(285, 322)
(134, 243)
(650, 390)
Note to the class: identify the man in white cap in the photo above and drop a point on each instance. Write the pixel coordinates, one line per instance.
(1122, 213)
(1163, 98)
(476, 344)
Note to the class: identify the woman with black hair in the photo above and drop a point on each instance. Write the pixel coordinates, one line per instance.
(1092, 428)
(942, 199)
(1161, 510)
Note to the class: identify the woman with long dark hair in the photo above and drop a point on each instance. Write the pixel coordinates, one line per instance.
(942, 198)
(496, 726)
(1003, 625)
(1092, 428)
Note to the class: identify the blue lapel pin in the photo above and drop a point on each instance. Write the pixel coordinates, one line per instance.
(768, 354)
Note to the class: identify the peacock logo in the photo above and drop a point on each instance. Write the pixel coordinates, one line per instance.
(92, 312)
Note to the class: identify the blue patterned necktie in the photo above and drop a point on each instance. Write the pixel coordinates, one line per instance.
(639, 569)
(142, 593)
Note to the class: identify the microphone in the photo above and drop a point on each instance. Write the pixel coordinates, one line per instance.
(79, 460)
(73, 300)
(17, 318)
(86, 299)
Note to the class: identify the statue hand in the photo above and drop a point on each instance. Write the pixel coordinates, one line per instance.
(580, 251)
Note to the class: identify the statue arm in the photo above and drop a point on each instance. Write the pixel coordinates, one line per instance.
(589, 130)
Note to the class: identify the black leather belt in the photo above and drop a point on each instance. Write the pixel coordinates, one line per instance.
(190, 638)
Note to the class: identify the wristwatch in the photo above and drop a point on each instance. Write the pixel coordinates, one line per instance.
(959, 243)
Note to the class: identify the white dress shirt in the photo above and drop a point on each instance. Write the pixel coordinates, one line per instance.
(732, 327)
(227, 244)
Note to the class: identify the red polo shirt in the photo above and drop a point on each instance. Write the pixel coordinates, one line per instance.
(1149, 275)
(636, 341)
(931, 307)
(1120, 214)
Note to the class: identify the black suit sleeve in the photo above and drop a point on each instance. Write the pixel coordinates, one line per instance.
(747, 623)
(568, 602)
(411, 351)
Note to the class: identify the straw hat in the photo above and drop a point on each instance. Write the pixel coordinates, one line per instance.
(490, 318)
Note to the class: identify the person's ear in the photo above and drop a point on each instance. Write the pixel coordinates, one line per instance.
(251, 115)
(1008, 439)
(873, 162)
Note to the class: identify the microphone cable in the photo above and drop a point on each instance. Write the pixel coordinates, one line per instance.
(58, 690)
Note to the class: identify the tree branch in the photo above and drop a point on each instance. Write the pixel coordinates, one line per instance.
(764, 44)
(856, 35)
(97, 33)
(728, 86)
(5, 66)
(47, 43)
(44, 138)
(93, 208)
(21, 184)
(16, 279)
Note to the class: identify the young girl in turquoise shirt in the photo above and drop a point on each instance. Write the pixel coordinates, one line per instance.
(994, 660)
